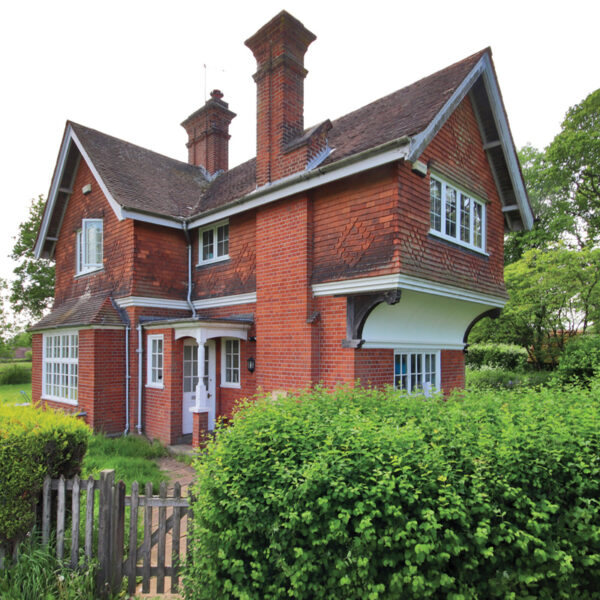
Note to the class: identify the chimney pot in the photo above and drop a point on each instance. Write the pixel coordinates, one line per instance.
(218, 94)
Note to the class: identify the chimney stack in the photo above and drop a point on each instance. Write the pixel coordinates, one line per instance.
(279, 48)
(208, 134)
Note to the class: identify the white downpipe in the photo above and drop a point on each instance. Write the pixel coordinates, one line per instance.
(127, 378)
(140, 377)
(189, 285)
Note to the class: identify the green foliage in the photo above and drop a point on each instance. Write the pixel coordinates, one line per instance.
(32, 288)
(39, 575)
(131, 457)
(505, 356)
(15, 374)
(29, 355)
(580, 361)
(553, 295)
(498, 378)
(563, 184)
(366, 494)
(33, 444)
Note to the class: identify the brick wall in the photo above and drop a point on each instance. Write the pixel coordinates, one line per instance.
(457, 152)
(118, 244)
(453, 370)
(356, 222)
(285, 355)
(235, 275)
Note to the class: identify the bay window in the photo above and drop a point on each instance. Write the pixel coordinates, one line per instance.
(417, 371)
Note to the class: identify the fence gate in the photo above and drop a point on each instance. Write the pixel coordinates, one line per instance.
(120, 555)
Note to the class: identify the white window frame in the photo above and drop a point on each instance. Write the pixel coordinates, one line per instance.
(473, 203)
(225, 382)
(152, 371)
(83, 263)
(425, 387)
(216, 246)
(60, 366)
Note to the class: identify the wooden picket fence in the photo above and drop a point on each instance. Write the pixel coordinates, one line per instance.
(117, 556)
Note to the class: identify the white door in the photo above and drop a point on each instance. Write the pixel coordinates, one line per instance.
(190, 381)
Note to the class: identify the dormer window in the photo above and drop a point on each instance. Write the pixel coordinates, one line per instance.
(456, 216)
(214, 243)
(89, 251)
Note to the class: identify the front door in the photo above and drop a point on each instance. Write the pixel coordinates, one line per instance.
(190, 381)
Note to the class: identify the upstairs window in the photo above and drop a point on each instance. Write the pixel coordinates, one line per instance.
(214, 243)
(456, 216)
(89, 249)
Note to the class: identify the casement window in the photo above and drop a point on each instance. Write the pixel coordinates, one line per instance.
(456, 216)
(417, 371)
(89, 251)
(214, 243)
(60, 366)
(155, 361)
(230, 363)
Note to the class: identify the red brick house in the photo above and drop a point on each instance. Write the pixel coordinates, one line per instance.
(362, 248)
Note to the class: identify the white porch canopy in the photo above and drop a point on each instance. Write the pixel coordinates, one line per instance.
(202, 331)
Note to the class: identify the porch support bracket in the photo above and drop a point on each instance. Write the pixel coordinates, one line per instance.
(358, 309)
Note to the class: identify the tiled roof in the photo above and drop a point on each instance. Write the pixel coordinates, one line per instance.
(86, 310)
(143, 180)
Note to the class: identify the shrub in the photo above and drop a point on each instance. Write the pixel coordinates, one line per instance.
(504, 356)
(580, 360)
(33, 444)
(29, 355)
(364, 494)
(493, 377)
(15, 374)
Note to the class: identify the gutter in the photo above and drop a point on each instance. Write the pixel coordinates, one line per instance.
(189, 285)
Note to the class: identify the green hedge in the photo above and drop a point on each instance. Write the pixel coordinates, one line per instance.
(376, 495)
(504, 356)
(493, 377)
(580, 360)
(33, 443)
(15, 374)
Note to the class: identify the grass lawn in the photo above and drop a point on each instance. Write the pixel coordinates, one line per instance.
(11, 394)
(132, 458)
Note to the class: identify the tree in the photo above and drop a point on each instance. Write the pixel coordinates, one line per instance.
(563, 183)
(554, 294)
(32, 289)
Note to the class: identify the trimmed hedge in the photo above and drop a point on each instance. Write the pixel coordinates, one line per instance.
(580, 360)
(364, 494)
(504, 356)
(493, 377)
(33, 443)
(15, 374)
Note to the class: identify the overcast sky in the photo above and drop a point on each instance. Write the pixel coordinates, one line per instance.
(135, 69)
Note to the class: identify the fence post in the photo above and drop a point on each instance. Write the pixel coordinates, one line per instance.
(117, 537)
(107, 479)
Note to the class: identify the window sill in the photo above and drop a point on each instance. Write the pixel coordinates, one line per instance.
(61, 400)
(213, 261)
(460, 243)
(90, 272)
(155, 386)
(235, 386)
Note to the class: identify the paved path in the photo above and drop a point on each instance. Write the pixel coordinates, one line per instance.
(184, 474)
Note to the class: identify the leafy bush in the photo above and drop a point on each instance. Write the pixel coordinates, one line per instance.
(492, 377)
(504, 356)
(33, 444)
(29, 355)
(580, 360)
(15, 374)
(365, 494)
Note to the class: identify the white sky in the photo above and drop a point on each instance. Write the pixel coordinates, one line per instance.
(134, 69)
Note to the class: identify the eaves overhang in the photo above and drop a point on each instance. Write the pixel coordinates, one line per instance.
(61, 188)
(482, 86)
